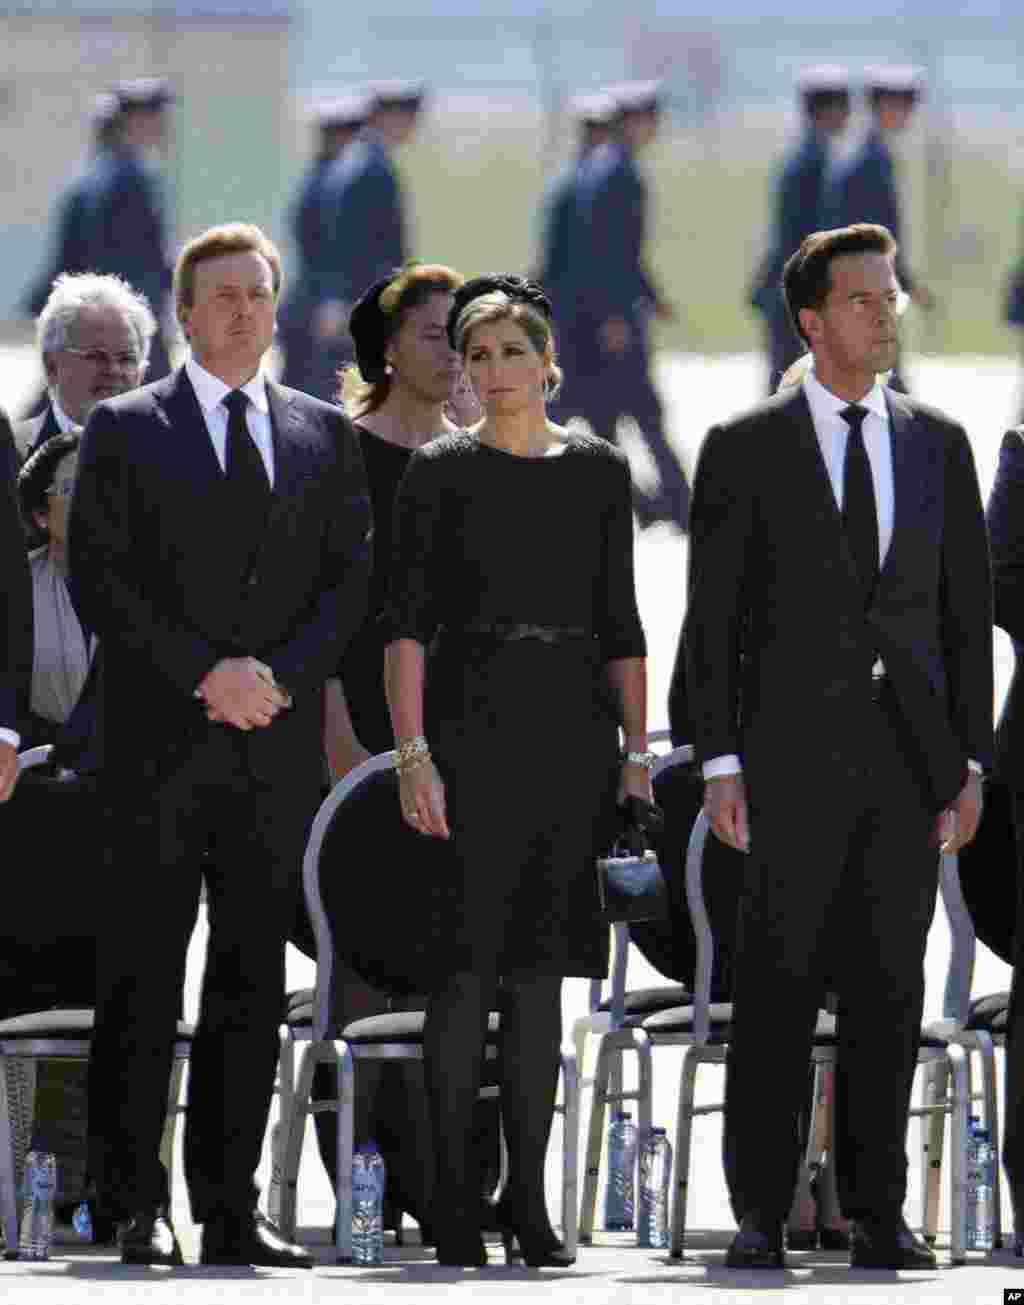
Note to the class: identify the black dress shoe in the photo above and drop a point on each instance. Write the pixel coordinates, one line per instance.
(887, 1244)
(251, 1239)
(757, 1245)
(148, 1238)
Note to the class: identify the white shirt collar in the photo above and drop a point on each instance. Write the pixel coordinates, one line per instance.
(826, 405)
(64, 422)
(211, 390)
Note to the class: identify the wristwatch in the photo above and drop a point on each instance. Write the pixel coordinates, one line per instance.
(645, 759)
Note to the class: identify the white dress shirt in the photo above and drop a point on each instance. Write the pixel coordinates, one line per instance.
(833, 432)
(211, 391)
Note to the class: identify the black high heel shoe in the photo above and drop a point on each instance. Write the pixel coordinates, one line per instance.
(538, 1246)
(458, 1240)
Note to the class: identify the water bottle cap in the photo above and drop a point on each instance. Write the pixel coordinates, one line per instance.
(657, 1132)
(975, 1119)
(623, 1114)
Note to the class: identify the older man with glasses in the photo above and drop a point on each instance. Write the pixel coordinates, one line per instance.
(94, 336)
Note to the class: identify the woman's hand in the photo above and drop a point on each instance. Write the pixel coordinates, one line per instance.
(421, 793)
(634, 781)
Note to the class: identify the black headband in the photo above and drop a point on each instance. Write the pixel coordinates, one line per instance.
(518, 288)
(371, 328)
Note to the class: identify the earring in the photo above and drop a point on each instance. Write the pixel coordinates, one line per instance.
(388, 369)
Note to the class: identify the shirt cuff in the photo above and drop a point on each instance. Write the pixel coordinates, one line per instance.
(975, 767)
(718, 767)
(10, 736)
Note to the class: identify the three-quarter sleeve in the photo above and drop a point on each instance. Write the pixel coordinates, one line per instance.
(619, 630)
(411, 608)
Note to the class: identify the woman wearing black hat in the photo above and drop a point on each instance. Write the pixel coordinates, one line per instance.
(513, 564)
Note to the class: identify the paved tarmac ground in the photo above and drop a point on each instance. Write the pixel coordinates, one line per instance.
(983, 394)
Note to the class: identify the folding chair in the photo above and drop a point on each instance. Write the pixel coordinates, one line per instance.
(58, 1034)
(395, 1036)
(704, 1031)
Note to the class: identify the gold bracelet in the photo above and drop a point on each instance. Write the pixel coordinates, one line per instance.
(414, 762)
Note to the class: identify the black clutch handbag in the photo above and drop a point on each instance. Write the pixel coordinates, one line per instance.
(630, 885)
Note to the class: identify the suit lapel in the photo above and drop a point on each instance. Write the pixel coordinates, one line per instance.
(907, 474)
(286, 433)
(178, 407)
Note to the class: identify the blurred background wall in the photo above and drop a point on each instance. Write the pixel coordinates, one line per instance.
(501, 74)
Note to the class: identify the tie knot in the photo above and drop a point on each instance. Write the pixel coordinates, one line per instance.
(854, 416)
(237, 401)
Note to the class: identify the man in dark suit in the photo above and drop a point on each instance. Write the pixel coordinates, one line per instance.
(839, 652)
(310, 365)
(219, 546)
(865, 188)
(365, 226)
(94, 336)
(617, 298)
(824, 94)
(15, 614)
(560, 245)
(1006, 529)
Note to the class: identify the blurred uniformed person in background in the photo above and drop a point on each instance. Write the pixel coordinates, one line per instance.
(617, 297)
(865, 188)
(364, 209)
(560, 265)
(824, 94)
(310, 364)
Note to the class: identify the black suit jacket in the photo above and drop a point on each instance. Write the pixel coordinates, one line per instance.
(15, 591)
(779, 644)
(1006, 530)
(156, 572)
(33, 432)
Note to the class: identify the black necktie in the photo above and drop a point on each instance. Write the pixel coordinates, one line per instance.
(860, 512)
(244, 469)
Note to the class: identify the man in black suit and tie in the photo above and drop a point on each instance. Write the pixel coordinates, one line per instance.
(15, 614)
(219, 546)
(838, 637)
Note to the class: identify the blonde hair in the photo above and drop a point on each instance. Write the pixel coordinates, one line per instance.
(360, 394)
(497, 306)
(229, 238)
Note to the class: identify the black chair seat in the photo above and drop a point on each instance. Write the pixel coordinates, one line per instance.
(679, 1020)
(641, 1002)
(69, 1023)
(375, 1030)
(988, 1014)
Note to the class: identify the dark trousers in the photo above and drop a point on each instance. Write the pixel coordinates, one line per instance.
(1013, 1133)
(258, 835)
(840, 889)
(602, 387)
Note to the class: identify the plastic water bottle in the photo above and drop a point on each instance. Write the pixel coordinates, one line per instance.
(655, 1174)
(981, 1177)
(367, 1205)
(619, 1194)
(37, 1215)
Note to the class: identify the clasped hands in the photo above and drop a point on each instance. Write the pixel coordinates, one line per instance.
(242, 692)
(725, 804)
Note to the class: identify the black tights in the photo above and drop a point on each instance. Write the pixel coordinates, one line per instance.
(453, 1052)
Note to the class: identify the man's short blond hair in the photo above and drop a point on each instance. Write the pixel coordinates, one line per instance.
(229, 238)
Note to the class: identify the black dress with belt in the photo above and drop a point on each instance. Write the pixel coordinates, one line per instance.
(517, 574)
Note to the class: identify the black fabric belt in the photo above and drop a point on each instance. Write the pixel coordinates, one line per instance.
(509, 633)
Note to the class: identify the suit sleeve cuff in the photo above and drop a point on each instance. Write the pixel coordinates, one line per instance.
(718, 767)
(10, 736)
(975, 767)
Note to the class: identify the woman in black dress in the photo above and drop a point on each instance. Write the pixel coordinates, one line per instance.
(513, 565)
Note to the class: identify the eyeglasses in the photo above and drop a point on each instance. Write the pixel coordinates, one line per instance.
(100, 357)
(62, 488)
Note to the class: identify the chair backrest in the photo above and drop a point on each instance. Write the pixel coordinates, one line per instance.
(956, 999)
(342, 791)
(34, 757)
(682, 756)
(959, 973)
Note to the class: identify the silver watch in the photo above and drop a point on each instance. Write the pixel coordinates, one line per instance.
(645, 759)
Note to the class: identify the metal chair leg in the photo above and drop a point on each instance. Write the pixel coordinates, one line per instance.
(570, 1148)
(294, 1137)
(171, 1121)
(933, 1129)
(279, 1132)
(684, 1142)
(989, 1087)
(346, 1107)
(961, 1102)
(8, 1182)
(595, 1135)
